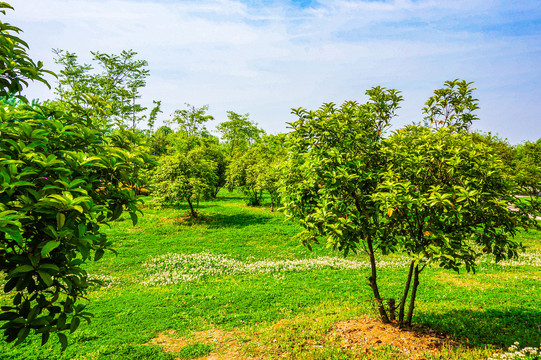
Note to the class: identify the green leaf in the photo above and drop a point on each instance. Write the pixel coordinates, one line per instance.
(47, 279)
(49, 246)
(63, 340)
(60, 220)
(22, 335)
(99, 254)
(22, 269)
(134, 218)
(44, 338)
(74, 324)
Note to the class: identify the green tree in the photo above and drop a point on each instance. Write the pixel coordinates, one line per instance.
(335, 164)
(60, 180)
(183, 178)
(192, 120)
(448, 196)
(110, 96)
(435, 194)
(239, 132)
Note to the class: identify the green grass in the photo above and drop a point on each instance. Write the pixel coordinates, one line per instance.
(277, 309)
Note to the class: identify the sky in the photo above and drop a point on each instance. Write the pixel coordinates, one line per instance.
(267, 57)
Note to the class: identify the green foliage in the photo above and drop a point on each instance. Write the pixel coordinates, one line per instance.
(528, 167)
(184, 178)
(256, 170)
(239, 132)
(60, 180)
(500, 147)
(17, 68)
(109, 97)
(192, 120)
(450, 195)
(153, 115)
(452, 105)
(336, 163)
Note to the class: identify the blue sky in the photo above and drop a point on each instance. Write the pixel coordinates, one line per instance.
(266, 57)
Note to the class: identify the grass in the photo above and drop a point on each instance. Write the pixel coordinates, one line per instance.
(238, 277)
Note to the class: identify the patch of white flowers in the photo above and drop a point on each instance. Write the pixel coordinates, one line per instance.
(524, 259)
(527, 353)
(178, 268)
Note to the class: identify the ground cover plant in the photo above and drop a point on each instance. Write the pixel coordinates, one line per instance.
(258, 294)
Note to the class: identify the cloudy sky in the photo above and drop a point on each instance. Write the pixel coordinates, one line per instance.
(266, 57)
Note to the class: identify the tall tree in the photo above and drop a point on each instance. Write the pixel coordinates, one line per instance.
(239, 132)
(110, 96)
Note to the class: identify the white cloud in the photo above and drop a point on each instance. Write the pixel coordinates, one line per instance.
(267, 59)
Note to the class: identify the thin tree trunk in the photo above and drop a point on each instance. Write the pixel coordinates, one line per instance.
(413, 295)
(374, 285)
(405, 296)
(192, 211)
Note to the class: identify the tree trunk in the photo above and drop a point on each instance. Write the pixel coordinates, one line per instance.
(413, 295)
(405, 296)
(192, 211)
(374, 285)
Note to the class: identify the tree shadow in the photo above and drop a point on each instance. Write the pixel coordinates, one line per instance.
(497, 327)
(217, 221)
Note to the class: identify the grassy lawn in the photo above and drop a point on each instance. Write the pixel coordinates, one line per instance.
(236, 282)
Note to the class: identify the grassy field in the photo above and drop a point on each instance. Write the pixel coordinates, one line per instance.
(235, 284)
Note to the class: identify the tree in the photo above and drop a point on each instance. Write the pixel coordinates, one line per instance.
(239, 132)
(109, 96)
(60, 180)
(435, 194)
(335, 164)
(184, 178)
(452, 105)
(448, 196)
(528, 168)
(192, 120)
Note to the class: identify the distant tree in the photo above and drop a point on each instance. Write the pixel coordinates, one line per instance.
(153, 115)
(192, 120)
(528, 168)
(183, 178)
(239, 132)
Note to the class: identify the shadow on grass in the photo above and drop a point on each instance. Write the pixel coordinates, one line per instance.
(497, 327)
(235, 220)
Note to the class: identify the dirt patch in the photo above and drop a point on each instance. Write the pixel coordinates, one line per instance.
(371, 333)
(362, 336)
(225, 343)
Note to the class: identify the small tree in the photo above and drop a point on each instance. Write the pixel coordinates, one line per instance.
(335, 164)
(448, 196)
(192, 120)
(184, 178)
